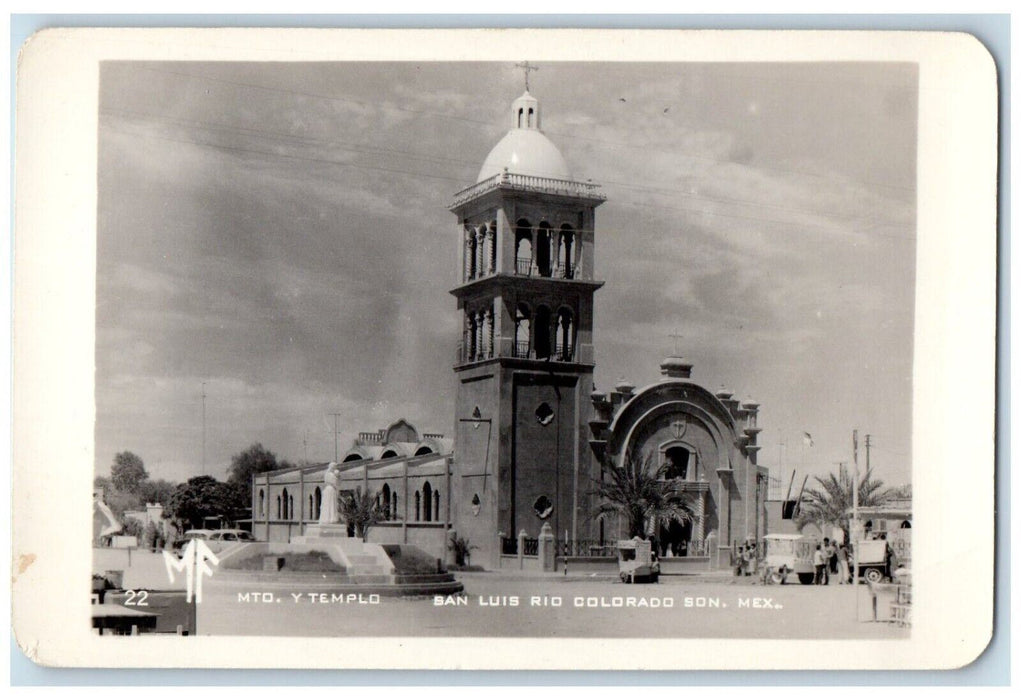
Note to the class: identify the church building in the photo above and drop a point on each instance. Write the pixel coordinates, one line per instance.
(531, 434)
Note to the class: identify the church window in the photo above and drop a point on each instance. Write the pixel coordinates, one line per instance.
(531, 118)
(476, 504)
(541, 332)
(386, 501)
(543, 244)
(522, 325)
(677, 461)
(543, 507)
(423, 450)
(393, 506)
(286, 511)
(544, 414)
(436, 504)
(906, 525)
(521, 117)
(290, 507)
(565, 335)
(311, 507)
(427, 497)
(278, 507)
(318, 504)
(262, 503)
(418, 506)
(388, 454)
(353, 457)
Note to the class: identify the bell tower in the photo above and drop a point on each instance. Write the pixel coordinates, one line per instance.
(524, 363)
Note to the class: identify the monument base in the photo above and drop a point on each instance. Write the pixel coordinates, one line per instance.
(322, 531)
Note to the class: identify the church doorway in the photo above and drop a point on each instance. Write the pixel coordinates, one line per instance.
(674, 539)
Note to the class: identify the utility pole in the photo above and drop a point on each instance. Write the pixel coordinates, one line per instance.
(335, 446)
(868, 452)
(203, 427)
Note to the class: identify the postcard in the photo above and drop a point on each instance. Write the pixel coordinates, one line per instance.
(502, 349)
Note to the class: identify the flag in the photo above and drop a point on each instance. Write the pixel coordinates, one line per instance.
(807, 439)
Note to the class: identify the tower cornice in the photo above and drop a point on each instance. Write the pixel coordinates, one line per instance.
(499, 281)
(568, 190)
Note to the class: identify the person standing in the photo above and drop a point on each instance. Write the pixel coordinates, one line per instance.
(844, 573)
(819, 561)
(826, 551)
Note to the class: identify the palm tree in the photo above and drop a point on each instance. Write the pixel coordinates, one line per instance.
(639, 494)
(361, 509)
(831, 501)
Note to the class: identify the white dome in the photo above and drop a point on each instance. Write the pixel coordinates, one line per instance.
(525, 152)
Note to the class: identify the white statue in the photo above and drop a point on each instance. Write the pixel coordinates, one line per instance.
(328, 514)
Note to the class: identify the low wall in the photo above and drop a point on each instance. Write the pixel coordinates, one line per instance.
(512, 562)
(587, 565)
(609, 565)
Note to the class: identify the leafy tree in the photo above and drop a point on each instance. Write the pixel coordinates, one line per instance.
(157, 491)
(201, 497)
(255, 460)
(128, 472)
(641, 497)
(360, 509)
(829, 503)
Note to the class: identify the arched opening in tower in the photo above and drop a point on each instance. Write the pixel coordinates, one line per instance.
(522, 323)
(565, 333)
(542, 333)
(523, 247)
(542, 250)
(566, 253)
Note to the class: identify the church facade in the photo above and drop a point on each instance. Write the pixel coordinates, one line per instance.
(532, 435)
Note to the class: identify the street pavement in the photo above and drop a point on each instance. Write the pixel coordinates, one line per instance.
(528, 605)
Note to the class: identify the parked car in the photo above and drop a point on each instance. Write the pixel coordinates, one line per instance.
(188, 536)
(231, 536)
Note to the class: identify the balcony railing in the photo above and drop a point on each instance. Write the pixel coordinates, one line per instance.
(464, 355)
(565, 271)
(529, 183)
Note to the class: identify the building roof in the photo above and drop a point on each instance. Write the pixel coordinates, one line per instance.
(525, 150)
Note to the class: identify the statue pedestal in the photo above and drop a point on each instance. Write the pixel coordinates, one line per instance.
(320, 531)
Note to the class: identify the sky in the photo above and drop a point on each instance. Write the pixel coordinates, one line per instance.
(276, 236)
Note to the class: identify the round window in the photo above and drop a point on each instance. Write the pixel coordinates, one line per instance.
(543, 507)
(544, 414)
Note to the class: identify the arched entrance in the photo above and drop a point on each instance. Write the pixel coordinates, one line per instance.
(674, 538)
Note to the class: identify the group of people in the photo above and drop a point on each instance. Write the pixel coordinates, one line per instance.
(831, 558)
(746, 559)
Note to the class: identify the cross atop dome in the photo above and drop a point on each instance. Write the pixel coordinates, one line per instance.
(527, 68)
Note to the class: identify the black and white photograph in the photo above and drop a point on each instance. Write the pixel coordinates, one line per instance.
(504, 349)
